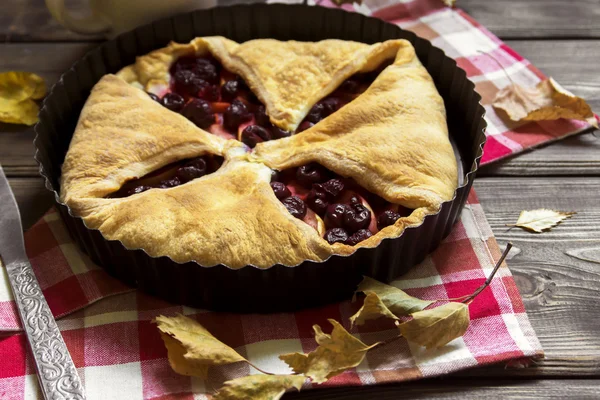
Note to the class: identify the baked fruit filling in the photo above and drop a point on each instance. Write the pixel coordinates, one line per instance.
(338, 208)
(171, 175)
(221, 102)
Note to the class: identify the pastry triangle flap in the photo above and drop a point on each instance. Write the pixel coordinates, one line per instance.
(123, 134)
(229, 216)
(392, 139)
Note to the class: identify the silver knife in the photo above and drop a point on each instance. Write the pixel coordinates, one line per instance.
(55, 369)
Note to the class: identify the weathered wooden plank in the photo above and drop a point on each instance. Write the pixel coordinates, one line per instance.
(29, 20)
(452, 388)
(575, 68)
(536, 18)
(32, 197)
(560, 292)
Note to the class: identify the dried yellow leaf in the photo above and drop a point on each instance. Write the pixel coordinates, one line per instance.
(336, 353)
(438, 326)
(17, 92)
(546, 101)
(385, 301)
(259, 387)
(541, 219)
(181, 365)
(196, 346)
(449, 3)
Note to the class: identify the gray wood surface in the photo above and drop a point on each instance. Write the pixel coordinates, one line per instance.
(28, 20)
(460, 389)
(560, 291)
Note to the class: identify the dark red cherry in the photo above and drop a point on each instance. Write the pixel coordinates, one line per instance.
(207, 70)
(333, 187)
(359, 236)
(281, 191)
(261, 117)
(229, 90)
(336, 235)
(254, 134)
(183, 63)
(357, 217)
(295, 206)
(331, 105)
(154, 97)
(279, 133)
(311, 173)
(350, 85)
(199, 163)
(173, 101)
(199, 112)
(316, 113)
(274, 176)
(191, 170)
(334, 216)
(304, 126)
(208, 92)
(138, 189)
(317, 200)
(169, 183)
(235, 114)
(187, 83)
(387, 218)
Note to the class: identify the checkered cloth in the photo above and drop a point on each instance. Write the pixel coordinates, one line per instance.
(119, 353)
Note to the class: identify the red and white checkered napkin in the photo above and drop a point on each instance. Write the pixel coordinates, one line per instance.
(465, 40)
(119, 353)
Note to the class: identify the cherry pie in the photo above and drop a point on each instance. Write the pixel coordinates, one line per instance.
(261, 153)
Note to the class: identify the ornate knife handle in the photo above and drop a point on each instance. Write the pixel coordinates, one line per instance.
(55, 368)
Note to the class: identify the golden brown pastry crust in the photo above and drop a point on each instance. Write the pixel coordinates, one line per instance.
(392, 140)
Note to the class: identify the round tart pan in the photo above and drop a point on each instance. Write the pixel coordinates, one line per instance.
(250, 289)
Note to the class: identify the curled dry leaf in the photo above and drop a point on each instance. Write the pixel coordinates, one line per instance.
(438, 326)
(541, 219)
(336, 353)
(177, 359)
(18, 90)
(190, 346)
(259, 387)
(385, 301)
(546, 101)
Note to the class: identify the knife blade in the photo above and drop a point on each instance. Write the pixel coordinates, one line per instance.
(55, 369)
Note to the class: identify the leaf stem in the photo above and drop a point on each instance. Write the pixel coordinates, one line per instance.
(487, 282)
(499, 64)
(260, 370)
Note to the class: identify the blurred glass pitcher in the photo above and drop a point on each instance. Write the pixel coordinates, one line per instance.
(112, 17)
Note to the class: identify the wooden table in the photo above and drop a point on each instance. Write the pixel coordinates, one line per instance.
(560, 292)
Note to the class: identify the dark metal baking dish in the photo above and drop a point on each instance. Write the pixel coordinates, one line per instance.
(250, 289)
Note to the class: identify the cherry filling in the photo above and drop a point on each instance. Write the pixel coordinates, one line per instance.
(338, 208)
(171, 175)
(221, 102)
